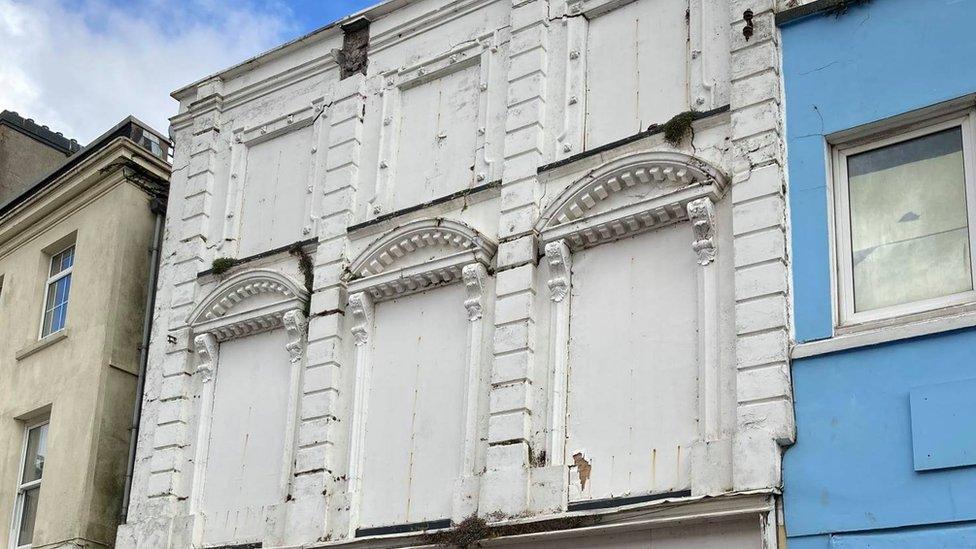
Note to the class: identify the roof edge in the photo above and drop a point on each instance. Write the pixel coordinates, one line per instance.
(70, 162)
(376, 10)
(38, 132)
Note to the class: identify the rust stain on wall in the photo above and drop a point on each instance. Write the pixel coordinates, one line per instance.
(583, 468)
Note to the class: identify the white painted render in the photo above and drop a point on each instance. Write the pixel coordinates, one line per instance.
(610, 313)
(414, 450)
(633, 367)
(247, 454)
(632, 79)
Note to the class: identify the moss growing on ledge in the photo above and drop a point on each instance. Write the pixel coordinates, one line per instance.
(474, 529)
(221, 265)
(676, 129)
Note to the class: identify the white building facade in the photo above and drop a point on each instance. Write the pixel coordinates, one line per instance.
(479, 290)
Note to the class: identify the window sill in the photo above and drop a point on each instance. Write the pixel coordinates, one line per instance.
(42, 344)
(884, 334)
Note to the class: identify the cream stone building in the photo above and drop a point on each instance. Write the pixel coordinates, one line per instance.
(451, 270)
(76, 250)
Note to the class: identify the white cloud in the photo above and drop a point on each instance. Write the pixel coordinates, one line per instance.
(81, 67)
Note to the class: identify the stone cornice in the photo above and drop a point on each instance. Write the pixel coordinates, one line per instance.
(667, 183)
(390, 267)
(218, 313)
(320, 65)
(71, 190)
(240, 287)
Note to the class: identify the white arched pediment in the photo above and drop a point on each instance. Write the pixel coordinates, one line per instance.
(246, 303)
(627, 195)
(418, 255)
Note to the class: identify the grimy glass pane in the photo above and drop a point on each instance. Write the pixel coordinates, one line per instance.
(64, 285)
(909, 224)
(62, 261)
(27, 516)
(50, 305)
(36, 451)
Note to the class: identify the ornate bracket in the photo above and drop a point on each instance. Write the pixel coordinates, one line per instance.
(206, 349)
(295, 323)
(474, 276)
(558, 256)
(361, 310)
(701, 212)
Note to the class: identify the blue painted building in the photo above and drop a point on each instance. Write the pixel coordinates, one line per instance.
(881, 146)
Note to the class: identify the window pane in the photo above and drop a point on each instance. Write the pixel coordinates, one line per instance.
(57, 318)
(57, 305)
(62, 261)
(35, 453)
(55, 264)
(909, 224)
(27, 516)
(63, 286)
(46, 329)
(50, 304)
(68, 259)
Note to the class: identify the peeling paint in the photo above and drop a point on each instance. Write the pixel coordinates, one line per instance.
(583, 469)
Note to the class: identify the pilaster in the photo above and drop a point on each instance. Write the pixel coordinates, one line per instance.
(172, 445)
(505, 489)
(317, 489)
(764, 414)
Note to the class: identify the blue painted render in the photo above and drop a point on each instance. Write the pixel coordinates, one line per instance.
(878, 60)
(851, 478)
(852, 467)
(952, 536)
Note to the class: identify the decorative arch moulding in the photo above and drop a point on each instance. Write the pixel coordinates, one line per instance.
(664, 184)
(400, 262)
(225, 312)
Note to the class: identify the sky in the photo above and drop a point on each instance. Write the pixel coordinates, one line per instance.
(81, 66)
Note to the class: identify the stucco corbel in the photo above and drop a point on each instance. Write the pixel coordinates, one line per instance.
(206, 347)
(295, 324)
(361, 311)
(701, 212)
(558, 256)
(474, 276)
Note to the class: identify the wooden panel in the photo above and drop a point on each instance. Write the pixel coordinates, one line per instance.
(274, 192)
(633, 369)
(247, 433)
(637, 69)
(438, 137)
(415, 416)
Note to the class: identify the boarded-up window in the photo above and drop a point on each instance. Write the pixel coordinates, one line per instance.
(274, 192)
(438, 137)
(415, 416)
(637, 75)
(633, 365)
(247, 436)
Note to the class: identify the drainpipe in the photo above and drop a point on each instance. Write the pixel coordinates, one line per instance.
(158, 207)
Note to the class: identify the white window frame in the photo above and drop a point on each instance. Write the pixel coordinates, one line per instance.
(24, 486)
(52, 279)
(845, 317)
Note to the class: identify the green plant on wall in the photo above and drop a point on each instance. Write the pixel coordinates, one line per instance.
(307, 269)
(221, 265)
(676, 129)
